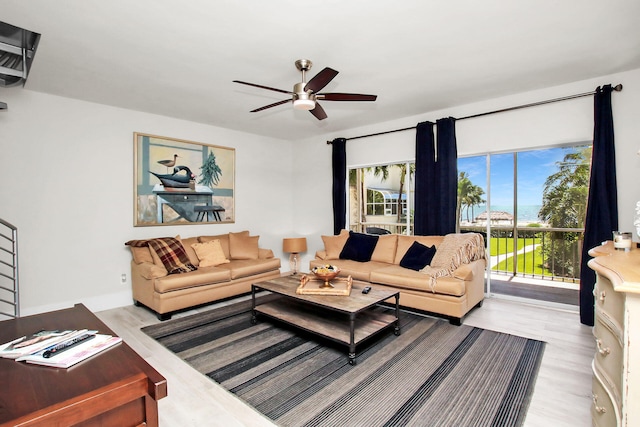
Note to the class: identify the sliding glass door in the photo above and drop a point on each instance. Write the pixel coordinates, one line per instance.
(530, 206)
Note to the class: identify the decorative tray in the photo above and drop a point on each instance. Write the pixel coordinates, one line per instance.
(315, 286)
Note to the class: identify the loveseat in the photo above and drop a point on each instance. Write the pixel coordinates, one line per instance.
(444, 275)
(173, 273)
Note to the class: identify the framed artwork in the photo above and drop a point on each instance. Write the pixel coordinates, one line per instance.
(182, 182)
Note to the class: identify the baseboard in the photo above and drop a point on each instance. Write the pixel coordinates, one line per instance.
(94, 303)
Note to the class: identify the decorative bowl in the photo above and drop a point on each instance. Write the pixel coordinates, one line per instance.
(326, 274)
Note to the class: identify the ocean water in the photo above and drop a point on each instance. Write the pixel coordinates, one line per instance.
(526, 213)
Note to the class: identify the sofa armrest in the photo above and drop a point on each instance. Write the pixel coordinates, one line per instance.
(464, 272)
(150, 271)
(265, 253)
(321, 254)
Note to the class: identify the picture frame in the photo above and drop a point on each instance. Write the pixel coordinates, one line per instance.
(179, 182)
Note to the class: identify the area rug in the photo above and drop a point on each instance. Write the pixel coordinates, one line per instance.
(433, 374)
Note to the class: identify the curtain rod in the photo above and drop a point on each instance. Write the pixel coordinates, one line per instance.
(617, 88)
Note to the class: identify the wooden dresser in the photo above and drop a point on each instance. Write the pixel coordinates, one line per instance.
(616, 365)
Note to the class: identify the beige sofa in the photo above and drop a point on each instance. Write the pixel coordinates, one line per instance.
(223, 266)
(450, 286)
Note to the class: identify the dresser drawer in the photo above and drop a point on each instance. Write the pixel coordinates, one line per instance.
(603, 412)
(609, 356)
(609, 301)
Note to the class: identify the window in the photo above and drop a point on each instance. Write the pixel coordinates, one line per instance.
(381, 197)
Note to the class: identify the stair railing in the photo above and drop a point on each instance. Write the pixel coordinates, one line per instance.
(9, 296)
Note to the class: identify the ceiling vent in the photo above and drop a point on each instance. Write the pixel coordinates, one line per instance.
(17, 50)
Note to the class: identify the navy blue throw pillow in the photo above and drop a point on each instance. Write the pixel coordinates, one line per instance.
(359, 247)
(418, 256)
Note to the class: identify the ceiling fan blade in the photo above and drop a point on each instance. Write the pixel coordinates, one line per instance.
(319, 112)
(263, 87)
(346, 97)
(320, 80)
(275, 104)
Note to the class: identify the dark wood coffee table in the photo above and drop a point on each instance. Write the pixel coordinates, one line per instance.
(344, 319)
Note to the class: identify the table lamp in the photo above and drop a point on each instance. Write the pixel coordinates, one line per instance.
(294, 246)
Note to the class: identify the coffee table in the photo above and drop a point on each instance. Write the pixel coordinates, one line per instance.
(344, 319)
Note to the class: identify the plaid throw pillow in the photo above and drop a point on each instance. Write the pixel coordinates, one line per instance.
(170, 251)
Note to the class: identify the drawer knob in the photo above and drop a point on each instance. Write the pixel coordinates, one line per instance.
(602, 296)
(604, 351)
(599, 409)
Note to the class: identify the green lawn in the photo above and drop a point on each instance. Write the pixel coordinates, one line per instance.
(529, 264)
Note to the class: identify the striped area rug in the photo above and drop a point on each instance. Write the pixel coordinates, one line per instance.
(433, 374)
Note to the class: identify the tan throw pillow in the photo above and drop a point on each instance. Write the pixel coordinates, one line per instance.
(224, 242)
(385, 250)
(333, 244)
(243, 247)
(210, 253)
(141, 255)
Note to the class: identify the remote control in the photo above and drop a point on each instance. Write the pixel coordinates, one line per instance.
(366, 289)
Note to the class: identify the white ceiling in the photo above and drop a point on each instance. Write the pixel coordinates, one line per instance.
(178, 58)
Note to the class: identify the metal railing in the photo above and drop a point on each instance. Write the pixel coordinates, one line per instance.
(535, 252)
(9, 298)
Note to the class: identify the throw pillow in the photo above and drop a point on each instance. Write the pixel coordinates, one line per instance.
(359, 247)
(210, 253)
(418, 256)
(243, 246)
(333, 244)
(385, 250)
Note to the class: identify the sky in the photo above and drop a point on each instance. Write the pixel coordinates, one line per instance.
(533, 169)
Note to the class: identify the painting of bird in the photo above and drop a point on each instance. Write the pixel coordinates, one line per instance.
(169, 163)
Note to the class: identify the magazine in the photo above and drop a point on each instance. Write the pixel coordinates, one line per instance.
(74, 354)
(33, 343)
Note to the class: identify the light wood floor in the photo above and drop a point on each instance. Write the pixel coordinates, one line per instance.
(562, 395)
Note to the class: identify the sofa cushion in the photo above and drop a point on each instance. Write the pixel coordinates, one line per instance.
(191, 253)
(202, 277)
(401, 277)
(359, 247)
(333, 244)
(210, 253)
(385, 250)
(239, 268)
(141, 255)
(243, 246)
(405, 242)
(224, 240)
(418, 256)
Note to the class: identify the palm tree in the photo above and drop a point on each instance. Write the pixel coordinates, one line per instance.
(469, 195)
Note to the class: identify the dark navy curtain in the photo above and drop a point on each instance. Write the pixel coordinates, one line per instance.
(436, 178)
(424, 177)
(339, 167)
(447, 175)
(602, 202)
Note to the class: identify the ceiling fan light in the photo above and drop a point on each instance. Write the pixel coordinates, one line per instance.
(304, 104)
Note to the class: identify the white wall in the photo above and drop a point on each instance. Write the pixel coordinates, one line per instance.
(551, 124)
(67, 184)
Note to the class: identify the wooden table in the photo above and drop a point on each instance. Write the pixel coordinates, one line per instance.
(344, 319)
(113, 388)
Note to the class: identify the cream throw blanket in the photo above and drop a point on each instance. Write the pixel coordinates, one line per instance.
(455, 250)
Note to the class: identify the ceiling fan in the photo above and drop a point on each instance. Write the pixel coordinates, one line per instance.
(305, 95)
